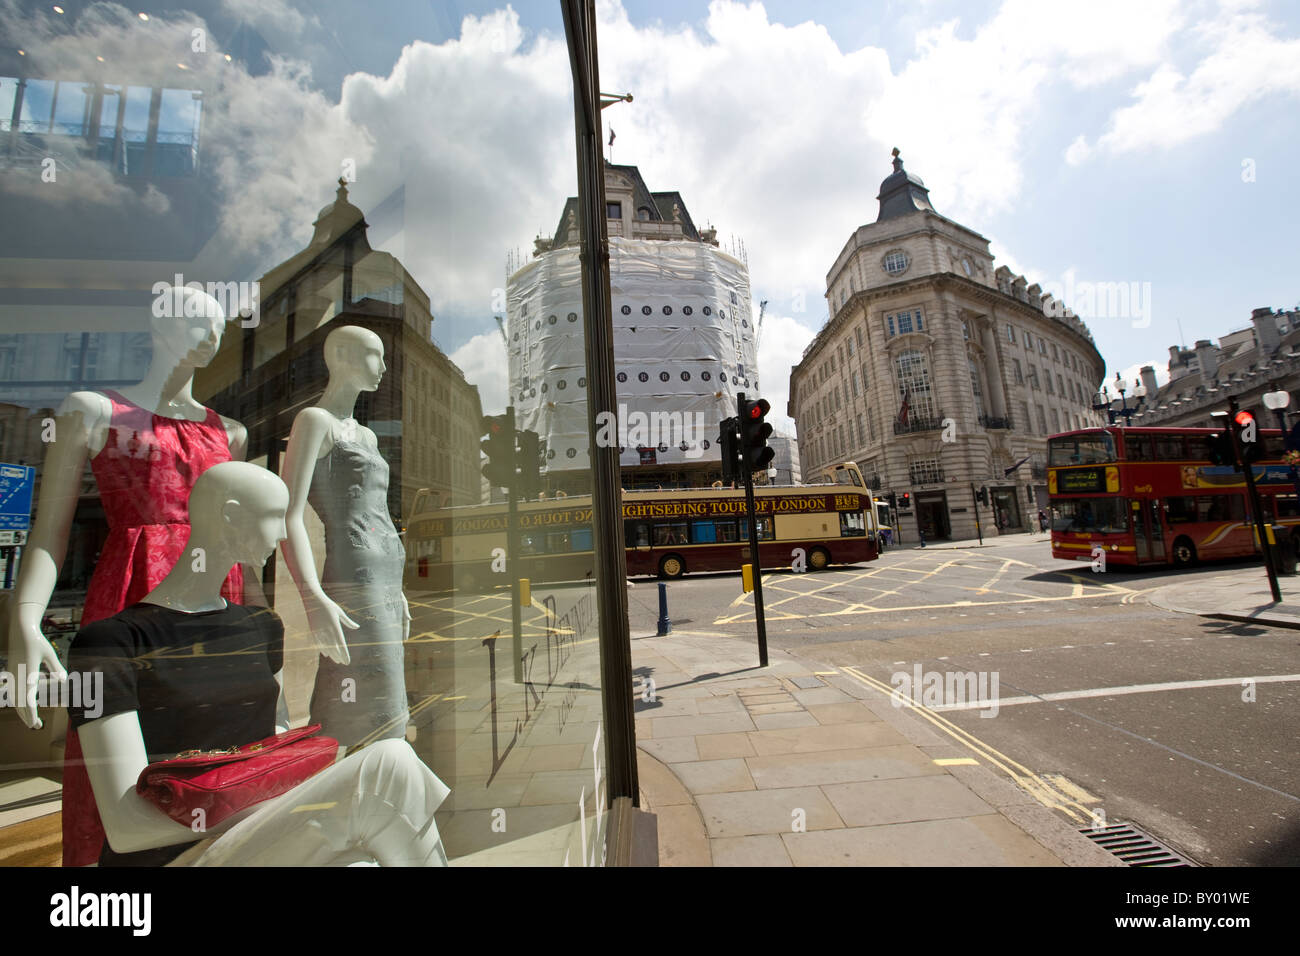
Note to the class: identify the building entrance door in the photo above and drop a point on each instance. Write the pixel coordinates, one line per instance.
(932, 516)
(1006, 510)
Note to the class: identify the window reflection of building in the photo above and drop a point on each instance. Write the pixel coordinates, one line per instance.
(424, 414)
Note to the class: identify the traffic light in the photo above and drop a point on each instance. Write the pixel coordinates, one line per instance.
(905, 501)
(499, 446)
(530, 464)
(754, 431)
(729, 444)
(1221, 449)
(983, 496)
(1248, 437)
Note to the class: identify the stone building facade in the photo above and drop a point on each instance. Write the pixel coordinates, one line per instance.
(937, 370)
(1243, 365)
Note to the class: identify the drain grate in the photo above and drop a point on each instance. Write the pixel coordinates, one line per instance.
(1134, 847)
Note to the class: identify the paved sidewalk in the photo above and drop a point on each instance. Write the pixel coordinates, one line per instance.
(990, 541)
(1239, 595)
(734, 758)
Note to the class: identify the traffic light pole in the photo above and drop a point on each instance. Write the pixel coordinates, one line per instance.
(976, 502)
(512, 551)
(759, 619)
(1248, 469)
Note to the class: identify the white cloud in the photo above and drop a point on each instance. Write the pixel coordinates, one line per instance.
(1078, 151)
(483, 360)
(780, 346)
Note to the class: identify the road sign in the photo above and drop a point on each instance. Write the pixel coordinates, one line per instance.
(16, 483)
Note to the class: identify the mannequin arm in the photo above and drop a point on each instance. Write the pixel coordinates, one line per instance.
(78, 420)
(281, 706)
(115, 755)
(307, 442)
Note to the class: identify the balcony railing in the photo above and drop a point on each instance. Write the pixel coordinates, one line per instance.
(915, 424)
(989, 421)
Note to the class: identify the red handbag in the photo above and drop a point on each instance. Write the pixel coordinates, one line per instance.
(223, 782)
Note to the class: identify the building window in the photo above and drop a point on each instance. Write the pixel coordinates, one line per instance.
(613, 210)
(1042, 420)
(849, 347)
(1033, 377)
(1015, 368)
(1011, 334)
(643, 214)
(889, 326)
(895, 262)
(1056, 422)
(1060, 385)
(914, 384)
(855, 384)
(1027, 422)
(857, 333)
(975, 387)
(1042, 348)
(1029, 342)
(925, 471)
(1056, 356)
(1048, 375)
(965, 330)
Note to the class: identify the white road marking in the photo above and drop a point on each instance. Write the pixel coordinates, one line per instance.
(1123, 690)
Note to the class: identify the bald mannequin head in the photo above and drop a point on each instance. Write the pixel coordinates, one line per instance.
(355, 355)
(187, 325)
(237, 510)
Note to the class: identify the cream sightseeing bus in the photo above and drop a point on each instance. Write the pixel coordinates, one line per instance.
(666, 533)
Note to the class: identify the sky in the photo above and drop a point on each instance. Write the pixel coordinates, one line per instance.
(1149, 143)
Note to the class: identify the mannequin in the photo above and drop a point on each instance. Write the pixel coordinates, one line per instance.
(378, 803)
(83, 427)
(334, 463)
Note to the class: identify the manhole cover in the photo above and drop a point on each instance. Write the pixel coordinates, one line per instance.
(1134, 847)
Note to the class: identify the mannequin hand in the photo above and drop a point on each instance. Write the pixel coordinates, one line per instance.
(327, 621)
(406, 619)
(28, 650)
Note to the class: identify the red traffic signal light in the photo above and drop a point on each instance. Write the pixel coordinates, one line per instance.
(1244, 418)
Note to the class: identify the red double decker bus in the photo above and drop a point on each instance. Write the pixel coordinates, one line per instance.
(1153, 496)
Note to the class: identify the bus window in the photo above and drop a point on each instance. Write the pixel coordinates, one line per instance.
(1274, 447)
(557, 542)
(1180, 509)
(1288, 506)
(703, 532)
(727, 530)
(1138, 448)
(1081, 450)
(580, 539)
(1198, 448)
(670, 533)
(1104, 515)
(764, 529)
(852, 524)
(1170, 448)
(637, 534)
(531, 544)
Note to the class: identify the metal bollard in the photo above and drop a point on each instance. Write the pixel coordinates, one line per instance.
(665, 625)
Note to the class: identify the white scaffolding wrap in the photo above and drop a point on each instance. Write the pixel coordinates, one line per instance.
(684, 345)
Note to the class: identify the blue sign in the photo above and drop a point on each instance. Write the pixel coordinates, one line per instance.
(16, 483)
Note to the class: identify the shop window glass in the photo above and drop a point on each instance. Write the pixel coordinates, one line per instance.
(313, 240)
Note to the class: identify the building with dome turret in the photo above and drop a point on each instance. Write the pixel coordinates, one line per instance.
(938, 370)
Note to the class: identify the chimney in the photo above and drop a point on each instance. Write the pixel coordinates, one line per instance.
(1266, 333)
(1208, 356)
(1148, 375)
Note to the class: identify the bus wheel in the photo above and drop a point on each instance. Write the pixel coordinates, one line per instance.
(819, 559)
(671, 566)
(1184, 553)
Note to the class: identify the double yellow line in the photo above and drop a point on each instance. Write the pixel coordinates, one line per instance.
(1048, 794)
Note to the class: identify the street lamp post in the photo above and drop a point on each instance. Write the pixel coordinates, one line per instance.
(1106, 402)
